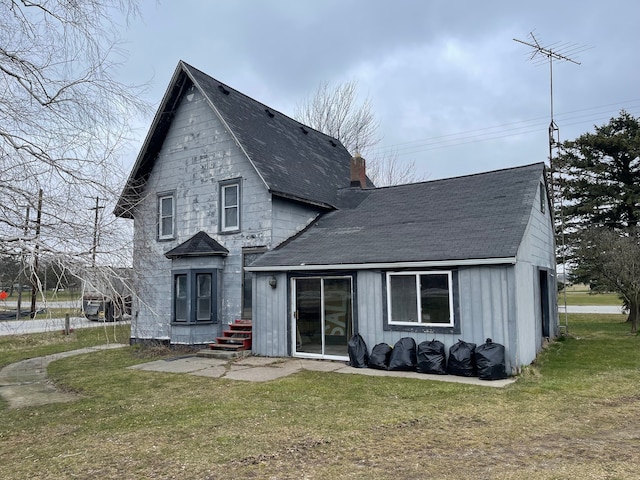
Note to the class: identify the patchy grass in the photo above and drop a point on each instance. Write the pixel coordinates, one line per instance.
(571, 415)
(14, 348)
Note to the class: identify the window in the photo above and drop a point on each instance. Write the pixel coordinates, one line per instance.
(166, 215)
(194, 296)
(248, 257)
(420, 299)
(230, 206)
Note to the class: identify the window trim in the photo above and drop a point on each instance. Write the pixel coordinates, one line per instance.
(161, 197)
(192, 296)
(223, 207)
(419, 327)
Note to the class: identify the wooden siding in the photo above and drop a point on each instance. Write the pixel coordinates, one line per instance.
(271, 315)
(536, 252)
(486, 310)
(198, 152)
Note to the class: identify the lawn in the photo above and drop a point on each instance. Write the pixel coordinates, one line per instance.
(571, 415)
(582, 295)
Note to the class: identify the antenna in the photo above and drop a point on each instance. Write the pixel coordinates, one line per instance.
(541, 54)
(560, 52)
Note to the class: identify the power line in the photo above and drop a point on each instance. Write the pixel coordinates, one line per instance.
(484, 134)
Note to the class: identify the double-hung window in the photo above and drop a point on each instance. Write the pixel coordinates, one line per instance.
(194, 296)
(166, 216)
(420, 299)
(230, 206)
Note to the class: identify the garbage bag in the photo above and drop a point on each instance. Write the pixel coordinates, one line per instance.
(431, 358)
(461, 359)
(358, 354)
(379, 357)
(490, 361)
(403, 355)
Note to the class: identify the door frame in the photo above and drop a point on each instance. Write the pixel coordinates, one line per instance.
(292, 315)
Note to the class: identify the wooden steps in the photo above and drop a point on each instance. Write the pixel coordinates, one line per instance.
(236, 337)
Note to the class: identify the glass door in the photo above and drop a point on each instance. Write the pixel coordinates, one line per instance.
(322, 317)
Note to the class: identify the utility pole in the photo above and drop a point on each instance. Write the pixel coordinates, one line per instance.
(34, 270)
(26, 231)
(95, 232)
(561, 52)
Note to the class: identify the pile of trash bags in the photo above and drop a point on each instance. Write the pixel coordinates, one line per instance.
(486, 361)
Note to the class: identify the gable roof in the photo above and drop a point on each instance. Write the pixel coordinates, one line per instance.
(293, 160)
(475, 217)
(200, 245)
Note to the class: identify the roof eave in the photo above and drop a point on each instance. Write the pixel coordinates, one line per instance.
(387, 265)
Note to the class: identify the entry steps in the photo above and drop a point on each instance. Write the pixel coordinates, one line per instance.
(237, 337)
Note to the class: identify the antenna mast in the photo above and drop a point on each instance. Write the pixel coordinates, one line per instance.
(541, 54)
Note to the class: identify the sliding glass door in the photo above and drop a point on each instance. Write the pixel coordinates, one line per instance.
(322, 316)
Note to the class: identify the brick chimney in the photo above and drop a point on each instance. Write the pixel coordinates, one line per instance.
(358, 172)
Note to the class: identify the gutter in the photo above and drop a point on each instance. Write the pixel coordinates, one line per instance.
(385, 265)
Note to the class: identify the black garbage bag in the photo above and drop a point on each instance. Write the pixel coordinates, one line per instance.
(490, 361)
(379, 357)
(461, 359)
(431, 358)
(358, 354)
(403, 355)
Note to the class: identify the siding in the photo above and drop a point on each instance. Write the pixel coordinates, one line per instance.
(271, 320)
(198, 152)
(486, 310)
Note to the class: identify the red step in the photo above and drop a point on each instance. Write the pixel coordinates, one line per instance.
(236, 337)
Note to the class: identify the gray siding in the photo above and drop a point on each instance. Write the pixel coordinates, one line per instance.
(271, 316)
(198, 152)
(487, 310)
(537, 251)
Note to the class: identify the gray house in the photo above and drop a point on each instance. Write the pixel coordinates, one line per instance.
(242, 212)
(220, 179)
(462, 258)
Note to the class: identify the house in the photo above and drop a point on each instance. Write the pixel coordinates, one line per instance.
(466, 258)
(220, 179)
(242, 212)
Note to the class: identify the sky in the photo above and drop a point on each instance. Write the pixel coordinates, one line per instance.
(452, 90)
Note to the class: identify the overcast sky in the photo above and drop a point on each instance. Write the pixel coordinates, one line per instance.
(451, 88)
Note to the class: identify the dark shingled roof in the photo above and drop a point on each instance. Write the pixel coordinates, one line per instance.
(480, 216)
(295, 161)
(199, 245)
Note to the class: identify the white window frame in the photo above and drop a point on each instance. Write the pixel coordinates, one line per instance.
(161, 234)
(416, 276)
(224, 207)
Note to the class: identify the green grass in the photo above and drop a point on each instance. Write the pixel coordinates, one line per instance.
(14, 348)
(570, 415)
(585, 297)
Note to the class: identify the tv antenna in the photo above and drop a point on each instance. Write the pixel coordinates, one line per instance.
(541, 54)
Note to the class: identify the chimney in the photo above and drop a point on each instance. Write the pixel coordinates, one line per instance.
(358, 172)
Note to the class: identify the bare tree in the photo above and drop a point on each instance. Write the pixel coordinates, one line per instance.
(610, 260)
(63, 119)
(337, 112)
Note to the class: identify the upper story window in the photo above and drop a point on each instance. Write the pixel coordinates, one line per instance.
(420, 299)
(166, 216)
(230, 206)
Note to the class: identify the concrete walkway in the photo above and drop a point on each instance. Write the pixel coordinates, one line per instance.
(24, 384)
(263, 369)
